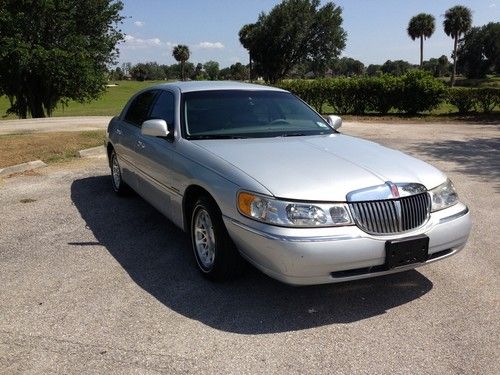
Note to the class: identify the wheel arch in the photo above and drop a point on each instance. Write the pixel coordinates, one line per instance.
(109, 150)
(192, 193)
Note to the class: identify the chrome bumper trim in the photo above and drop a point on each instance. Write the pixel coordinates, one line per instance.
(284, 238)
(454, 216)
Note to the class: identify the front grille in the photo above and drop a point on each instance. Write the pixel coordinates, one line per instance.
(391, 216)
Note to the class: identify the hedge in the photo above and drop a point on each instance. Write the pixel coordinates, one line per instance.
(414, 92)
(469, 100)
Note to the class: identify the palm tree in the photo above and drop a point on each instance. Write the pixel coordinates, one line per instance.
(181, 54)
(457, 21)
(246, 41)
(421, 26)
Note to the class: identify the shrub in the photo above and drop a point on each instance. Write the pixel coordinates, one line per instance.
(383, 92)
(415, 91)
(419, 91)
(311, 91)
(340, 95)
(487, 98)
(464, 99)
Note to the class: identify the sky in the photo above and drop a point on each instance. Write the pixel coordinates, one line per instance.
(376, 29)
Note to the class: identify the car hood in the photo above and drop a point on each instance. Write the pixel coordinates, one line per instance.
(321, 168)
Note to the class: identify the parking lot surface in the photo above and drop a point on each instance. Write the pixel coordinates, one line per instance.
(93, 283)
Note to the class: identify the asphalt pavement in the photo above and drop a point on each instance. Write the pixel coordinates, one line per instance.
(94, 283)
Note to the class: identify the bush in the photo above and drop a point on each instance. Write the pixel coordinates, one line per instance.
(340, 95)
(415, 91)
(383, 92)
(487, 99)
(464, 99)
(419, 91)
(311, 91)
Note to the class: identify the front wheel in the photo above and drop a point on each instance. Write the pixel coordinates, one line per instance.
(214, 251)
(117, 183)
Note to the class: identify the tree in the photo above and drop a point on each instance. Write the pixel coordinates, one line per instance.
(181, 54)
(198, 74)
(443, 66)
(478, 51)
(55, 51)
(421, 26)
(437, 67)
(492, 45)
(239, 72)
(348, 66)
(397, 67)
(374, 70)
(457, 20)
(147, 72)
(212, 70)
(246, 38)
(293, 32)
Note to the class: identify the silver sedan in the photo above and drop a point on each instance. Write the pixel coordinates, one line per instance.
(253, 173)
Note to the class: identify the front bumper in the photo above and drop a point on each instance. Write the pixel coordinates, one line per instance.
(304, 256)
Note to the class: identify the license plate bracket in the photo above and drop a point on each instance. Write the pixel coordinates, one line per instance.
(406, 251)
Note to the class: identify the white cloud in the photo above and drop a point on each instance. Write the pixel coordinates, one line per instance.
(210, 45)
(139, 23)
(131, 42)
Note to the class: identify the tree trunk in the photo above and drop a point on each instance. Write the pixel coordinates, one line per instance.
(421, 51)
(182, 71)
(454, 71)
(36, 108)
(250, 63)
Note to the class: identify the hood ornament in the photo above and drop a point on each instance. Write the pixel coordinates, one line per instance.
(394, 189)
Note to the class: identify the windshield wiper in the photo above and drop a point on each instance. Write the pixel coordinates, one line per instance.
(216, 136)
(295, 134)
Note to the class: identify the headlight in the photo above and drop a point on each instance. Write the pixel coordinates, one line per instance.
(293, 214)
(443, 196)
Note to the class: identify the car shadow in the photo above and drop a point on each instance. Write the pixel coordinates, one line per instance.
(157, 256)
(479, 157)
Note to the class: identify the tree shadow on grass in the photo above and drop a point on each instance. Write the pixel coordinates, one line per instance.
(479, 157)
(157, 256)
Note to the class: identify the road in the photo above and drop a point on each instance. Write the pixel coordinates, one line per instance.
(98, 284)
(54, 124)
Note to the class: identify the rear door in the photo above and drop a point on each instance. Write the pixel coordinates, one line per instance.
(130, 136)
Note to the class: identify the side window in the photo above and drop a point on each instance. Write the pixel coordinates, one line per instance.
(164, 108)
(138, 111)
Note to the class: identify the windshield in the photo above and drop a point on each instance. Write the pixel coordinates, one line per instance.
(249, 114)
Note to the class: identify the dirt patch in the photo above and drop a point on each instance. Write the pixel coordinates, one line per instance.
(48, 147)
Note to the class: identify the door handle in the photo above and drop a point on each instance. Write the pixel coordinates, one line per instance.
(140, 144)
(118, 131)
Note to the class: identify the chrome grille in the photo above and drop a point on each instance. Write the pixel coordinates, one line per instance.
(392, 215)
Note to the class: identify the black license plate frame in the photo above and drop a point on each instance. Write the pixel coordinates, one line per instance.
(406, 251)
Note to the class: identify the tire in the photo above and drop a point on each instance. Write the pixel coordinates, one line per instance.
(214, 251)
(117, 183)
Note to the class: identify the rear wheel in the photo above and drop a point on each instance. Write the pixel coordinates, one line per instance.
(216, 256)
(117, 183)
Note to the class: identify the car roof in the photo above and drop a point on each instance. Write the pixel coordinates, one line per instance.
(191, 86)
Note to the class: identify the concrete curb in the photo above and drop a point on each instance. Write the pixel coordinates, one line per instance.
(22, 167)
(94, 152)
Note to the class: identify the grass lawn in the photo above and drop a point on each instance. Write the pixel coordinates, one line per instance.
(110, 103)
(48, 147)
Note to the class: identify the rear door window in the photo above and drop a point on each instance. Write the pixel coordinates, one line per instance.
(139, 110)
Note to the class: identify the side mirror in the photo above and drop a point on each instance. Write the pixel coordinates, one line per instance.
(155, 128)
(334, 121)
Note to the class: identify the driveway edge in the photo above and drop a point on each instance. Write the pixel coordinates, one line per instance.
(18, 168)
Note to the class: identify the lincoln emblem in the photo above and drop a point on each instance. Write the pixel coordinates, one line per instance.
(394, 189)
